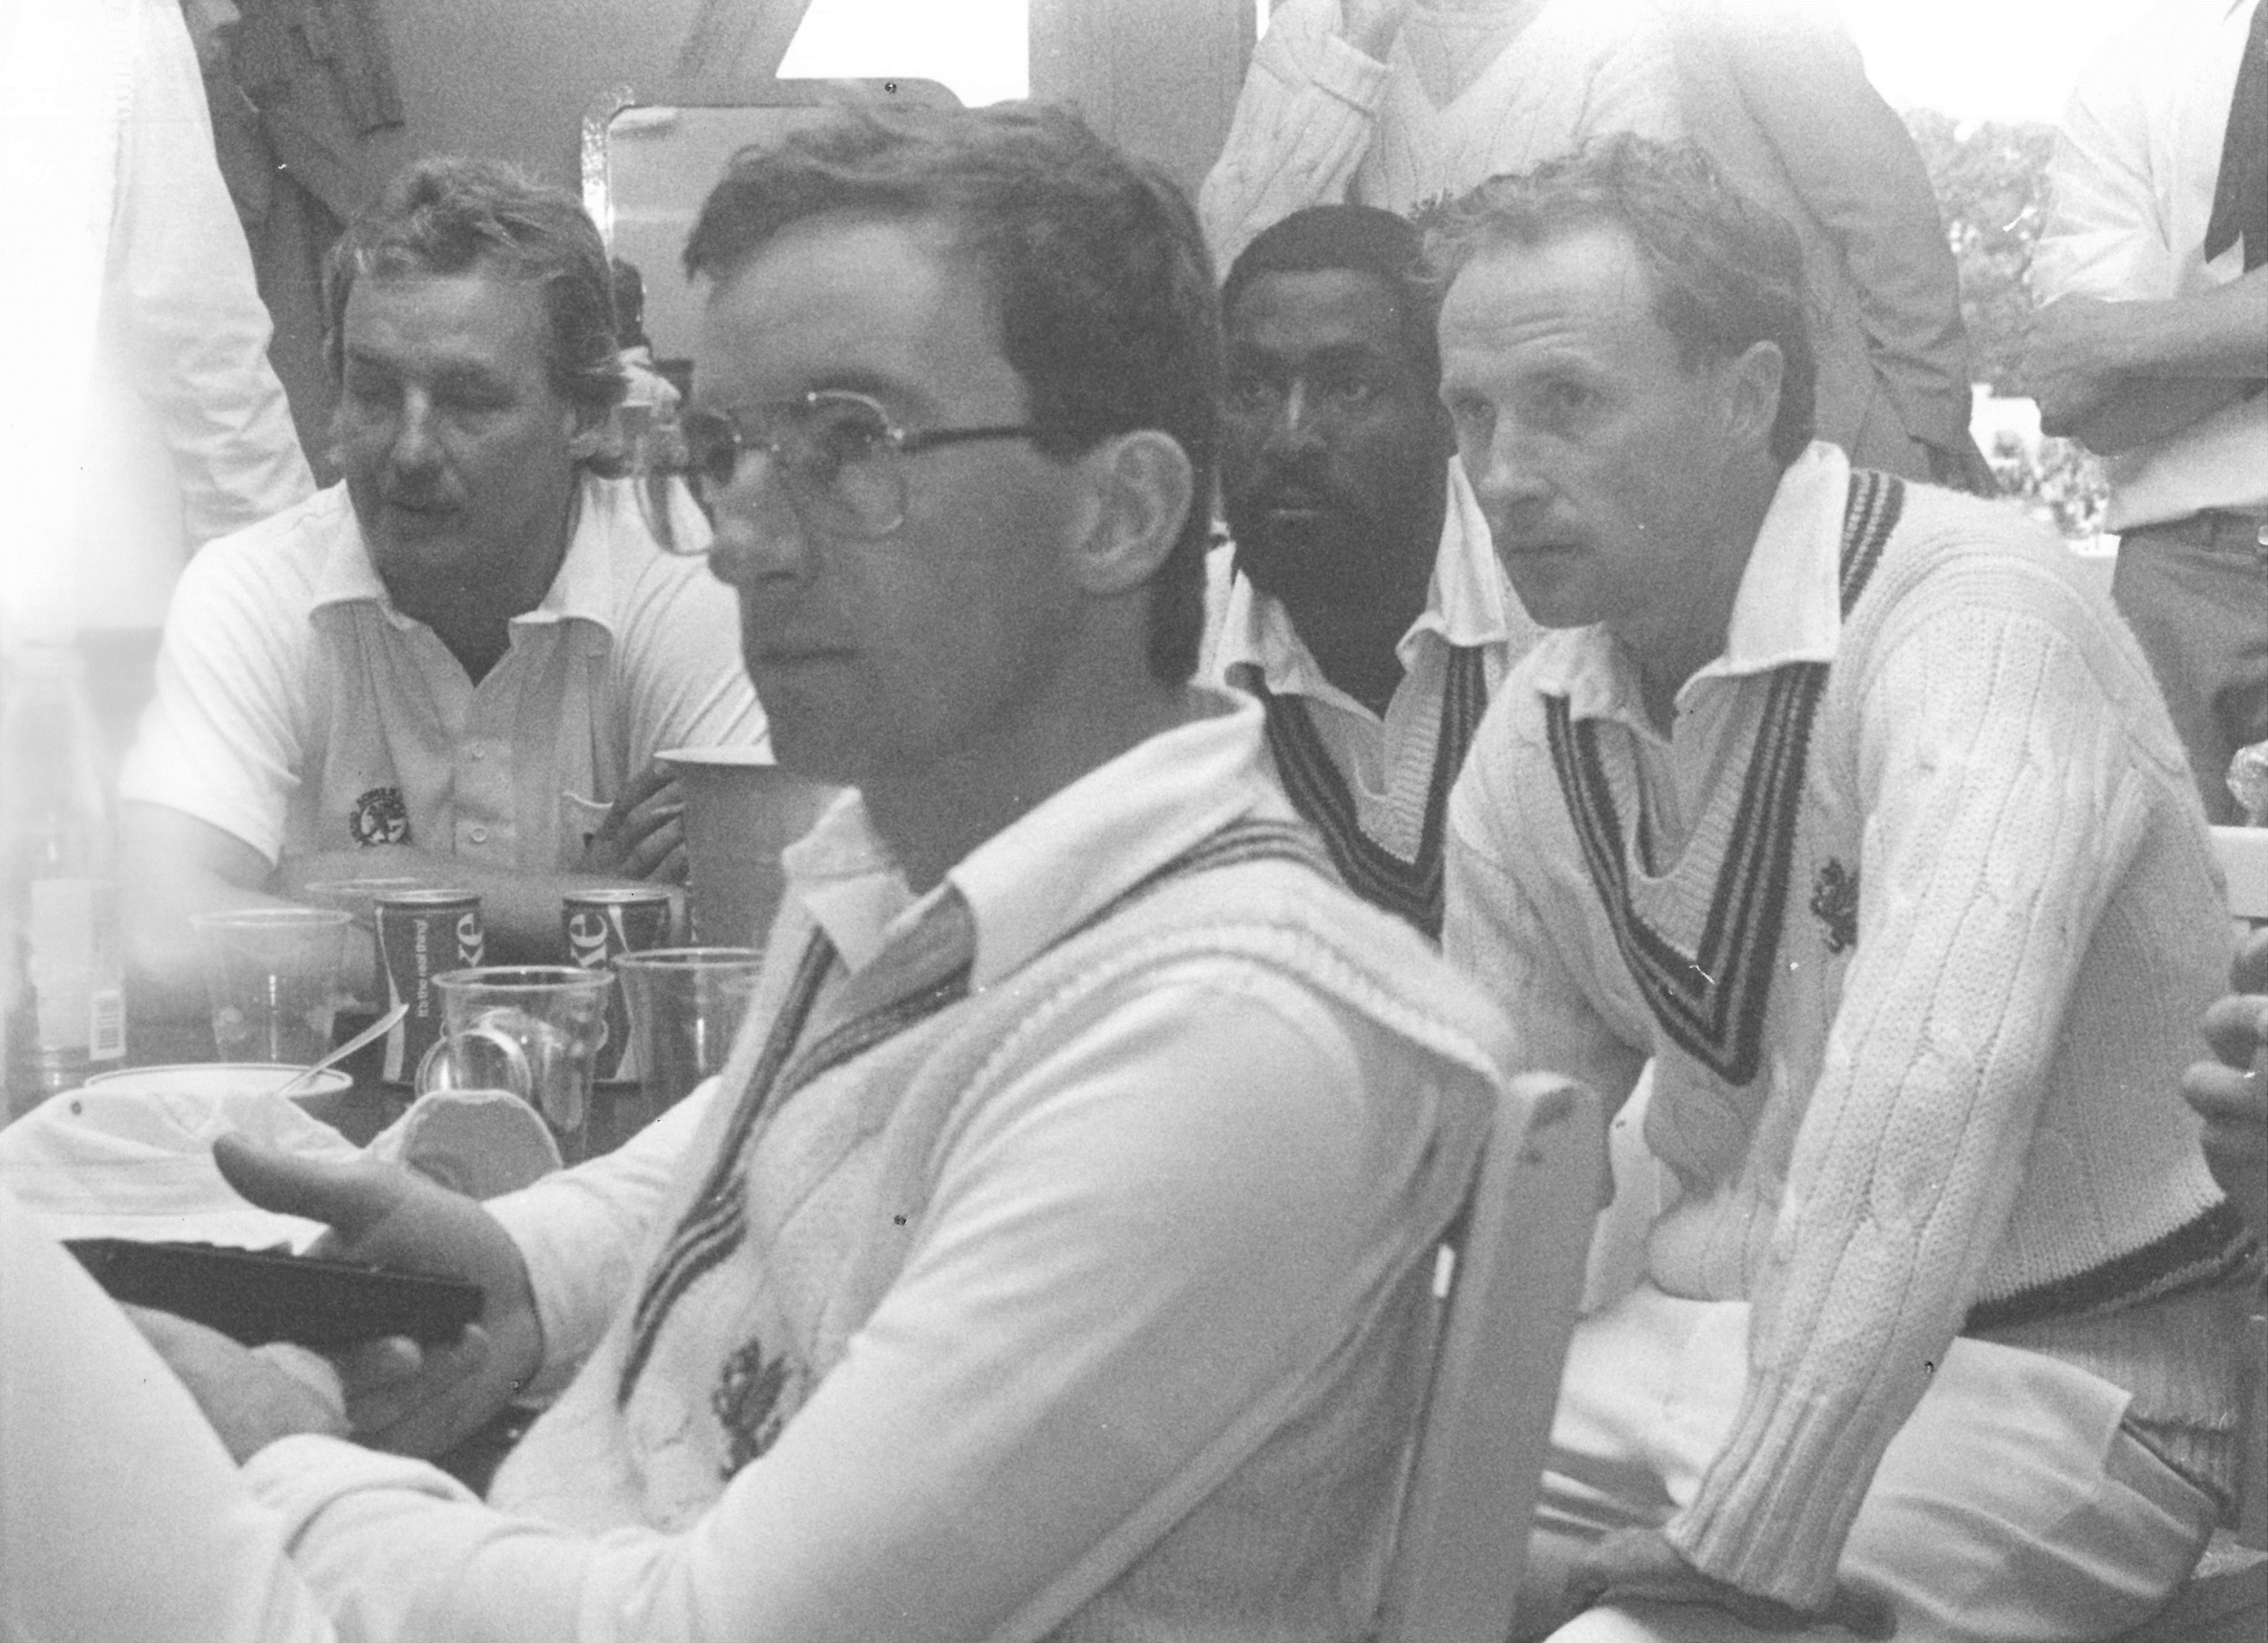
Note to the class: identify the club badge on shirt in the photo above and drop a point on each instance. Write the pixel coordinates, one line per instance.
(379, 818)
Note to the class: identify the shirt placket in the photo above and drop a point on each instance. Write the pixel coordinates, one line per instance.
(486, 769)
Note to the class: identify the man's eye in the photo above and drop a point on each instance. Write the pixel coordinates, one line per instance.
(1352, 392)
(1562, 402)
(368, 389)
(1249, 393)
(1474, 420)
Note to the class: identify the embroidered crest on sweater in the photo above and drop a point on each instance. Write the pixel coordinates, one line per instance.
(715, 1223)
(748, 1405)
(1834, 903)
(1410, 890)
(379, 818)
(1712, 1000)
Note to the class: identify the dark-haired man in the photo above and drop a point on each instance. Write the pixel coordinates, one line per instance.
(1051, 1257)
(1366, 610)
(459, 664)
(1843, 799)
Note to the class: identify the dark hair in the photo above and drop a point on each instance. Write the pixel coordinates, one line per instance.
(1725, 272)
(449, 215)
(1323, 238)
(1097, 270)
(628, 288)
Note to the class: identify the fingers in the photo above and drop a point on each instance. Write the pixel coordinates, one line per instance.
(352, 1198)
(2248, 971)
(647, 854)
(456, 1388)
(1862, 1612)
(2235, 1028)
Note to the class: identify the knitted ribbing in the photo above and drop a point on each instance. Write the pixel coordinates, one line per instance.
(2002, 924)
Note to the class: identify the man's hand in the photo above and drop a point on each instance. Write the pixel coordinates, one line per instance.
(1372, 25)
(2073, 362)
(399, 1396)
(2231, 1093)
(1641, 1564)
(644, 834)
(249, 1400)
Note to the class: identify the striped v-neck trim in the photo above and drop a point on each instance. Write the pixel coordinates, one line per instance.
(1410, 890)
(1711, 997)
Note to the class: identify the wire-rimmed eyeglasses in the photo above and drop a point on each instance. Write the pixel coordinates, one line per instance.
(838, 454)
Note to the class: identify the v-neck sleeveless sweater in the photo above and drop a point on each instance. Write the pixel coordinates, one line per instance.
(830, 1188)
(1925, 969)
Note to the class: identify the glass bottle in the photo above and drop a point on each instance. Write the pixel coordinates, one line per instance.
(63, 969)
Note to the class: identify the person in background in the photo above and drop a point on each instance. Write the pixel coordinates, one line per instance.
(147, 420)
(645, 384)
(1053, 1256)
(1395, 103)
(1775, 93)
(1848, 802)
(2150, 347)
(1366, 611)
(457, 665)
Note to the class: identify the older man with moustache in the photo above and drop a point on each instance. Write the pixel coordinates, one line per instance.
(1846, 801)
(457, 665)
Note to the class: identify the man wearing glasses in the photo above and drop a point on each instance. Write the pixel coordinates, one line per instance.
(1051, 1257)
(458, 665)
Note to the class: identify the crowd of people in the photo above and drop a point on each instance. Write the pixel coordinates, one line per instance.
(1601, 667)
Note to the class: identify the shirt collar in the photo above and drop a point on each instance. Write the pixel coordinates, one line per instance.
(582, 590)
(1788, 608)
(1466, 604)
(1057, 864)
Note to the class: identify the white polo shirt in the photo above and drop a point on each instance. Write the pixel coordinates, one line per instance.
(298, 709)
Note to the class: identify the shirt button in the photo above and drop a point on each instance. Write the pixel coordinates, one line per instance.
(480, 835)
(476, 753)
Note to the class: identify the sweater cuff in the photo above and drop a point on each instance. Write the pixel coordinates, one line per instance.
(1350, 76)
(298, 1477)
(1777, 1503)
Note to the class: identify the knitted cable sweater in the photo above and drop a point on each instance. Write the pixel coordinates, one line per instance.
(1921, 982)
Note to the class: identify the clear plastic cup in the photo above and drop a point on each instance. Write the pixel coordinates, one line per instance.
(272, 973)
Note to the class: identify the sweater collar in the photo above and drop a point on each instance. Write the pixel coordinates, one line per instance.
(1467, 603)
(1787, 607)
(1054, 867)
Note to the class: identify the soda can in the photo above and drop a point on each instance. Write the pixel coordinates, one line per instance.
(422, 934)
(599, 925)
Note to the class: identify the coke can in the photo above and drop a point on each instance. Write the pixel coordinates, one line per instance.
(422, 934)
(598, 924)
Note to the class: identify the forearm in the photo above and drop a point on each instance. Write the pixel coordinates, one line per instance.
(1913, 1145)
(2220, 334)
(2144, 411)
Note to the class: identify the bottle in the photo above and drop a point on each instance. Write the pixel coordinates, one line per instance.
(63, 970)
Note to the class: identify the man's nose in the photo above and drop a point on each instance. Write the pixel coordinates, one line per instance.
(759, 533)
(1508, 471)
(1293, 428)
(416, 441)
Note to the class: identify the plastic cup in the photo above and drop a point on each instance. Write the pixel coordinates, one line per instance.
(687, 1004)
(364, 992)
(532, 1029)
(272, 973)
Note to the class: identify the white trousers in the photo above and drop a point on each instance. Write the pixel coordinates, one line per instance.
(2012, 1505)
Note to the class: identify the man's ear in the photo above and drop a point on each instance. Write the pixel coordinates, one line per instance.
(1142, 489)
(1752, 393)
